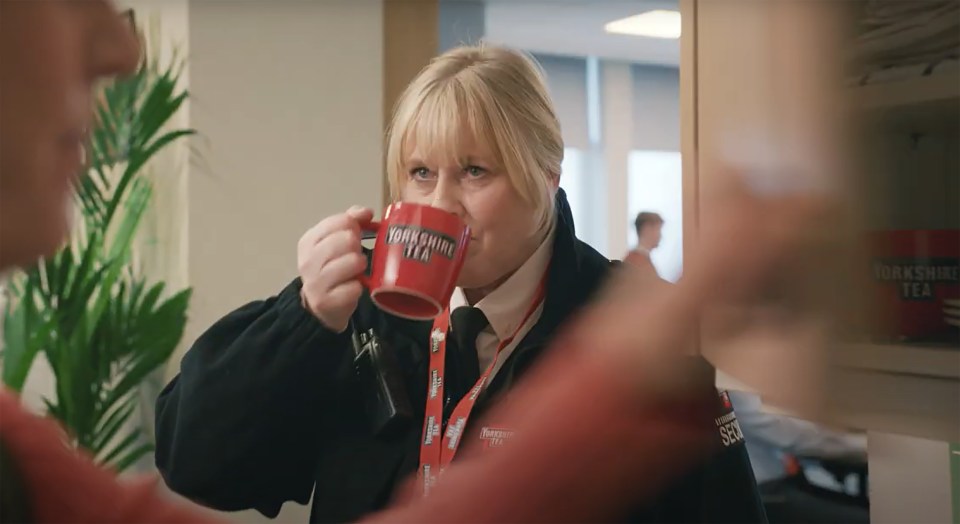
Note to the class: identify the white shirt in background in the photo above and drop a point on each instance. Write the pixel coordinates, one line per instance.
(769, 435)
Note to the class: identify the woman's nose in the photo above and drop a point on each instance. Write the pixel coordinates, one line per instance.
(447, 195)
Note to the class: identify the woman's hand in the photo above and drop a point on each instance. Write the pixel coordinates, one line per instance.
(329, 260)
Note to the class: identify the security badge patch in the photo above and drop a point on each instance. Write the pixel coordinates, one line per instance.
(727, 425)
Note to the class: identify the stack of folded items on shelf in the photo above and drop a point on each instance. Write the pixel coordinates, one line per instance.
(897, 33)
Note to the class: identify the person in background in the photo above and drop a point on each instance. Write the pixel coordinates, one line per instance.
(644, 422)
(649, 227)
(774, 441)
(267, 407)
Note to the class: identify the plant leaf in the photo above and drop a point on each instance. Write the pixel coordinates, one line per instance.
(132, 457)
(25, 332)
(124, 444)
(112, 424)
(157, 340)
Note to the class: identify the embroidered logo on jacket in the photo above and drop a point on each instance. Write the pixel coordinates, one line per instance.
(495, 437)
(729, 428)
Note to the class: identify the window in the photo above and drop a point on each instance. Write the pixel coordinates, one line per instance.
(580, 184)
(572, 182)
(655, 184)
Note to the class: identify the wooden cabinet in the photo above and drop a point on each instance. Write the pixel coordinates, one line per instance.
(765, 89)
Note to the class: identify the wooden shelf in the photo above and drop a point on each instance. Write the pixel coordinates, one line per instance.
(936, 87)
(891, 388)
(917, 104)
(907, 389)
(939, 361)
(896, 402)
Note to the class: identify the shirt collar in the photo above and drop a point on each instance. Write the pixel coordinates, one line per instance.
(504, 306)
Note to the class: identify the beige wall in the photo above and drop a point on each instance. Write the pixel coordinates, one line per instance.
(290, 98)
(287, 97)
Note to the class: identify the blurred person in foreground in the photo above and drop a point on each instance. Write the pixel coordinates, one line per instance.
(52, 52)
(643, 422)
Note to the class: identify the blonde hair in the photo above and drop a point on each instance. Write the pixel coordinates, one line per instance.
(500, 97)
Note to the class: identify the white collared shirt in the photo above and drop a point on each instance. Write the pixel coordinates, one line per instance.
(505, 306)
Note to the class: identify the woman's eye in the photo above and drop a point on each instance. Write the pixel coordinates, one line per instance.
(474, 171)
(420, 173)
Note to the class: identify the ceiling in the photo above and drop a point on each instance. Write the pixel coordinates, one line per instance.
(575, 27)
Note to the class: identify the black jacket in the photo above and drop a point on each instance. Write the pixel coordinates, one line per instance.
(267, 408)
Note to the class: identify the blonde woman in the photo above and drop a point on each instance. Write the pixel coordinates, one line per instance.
(268, 406)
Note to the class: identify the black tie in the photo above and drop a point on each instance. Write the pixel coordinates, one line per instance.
(465, 324)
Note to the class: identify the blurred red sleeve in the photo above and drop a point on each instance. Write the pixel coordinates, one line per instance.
(587, 448)
(66, 486)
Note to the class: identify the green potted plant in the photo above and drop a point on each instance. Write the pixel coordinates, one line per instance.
(103, 326)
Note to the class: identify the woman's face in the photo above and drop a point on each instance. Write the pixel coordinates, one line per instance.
(503, 226)
(51, 53)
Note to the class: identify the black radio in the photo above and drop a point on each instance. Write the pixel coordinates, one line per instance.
(386, 401)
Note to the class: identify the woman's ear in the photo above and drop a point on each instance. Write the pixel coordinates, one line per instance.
(555, 181)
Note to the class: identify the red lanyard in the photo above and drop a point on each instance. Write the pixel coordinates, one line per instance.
(436, 453)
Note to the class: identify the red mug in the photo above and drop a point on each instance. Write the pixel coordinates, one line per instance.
(417, 257)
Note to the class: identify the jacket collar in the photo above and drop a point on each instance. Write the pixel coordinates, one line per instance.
(576, 272)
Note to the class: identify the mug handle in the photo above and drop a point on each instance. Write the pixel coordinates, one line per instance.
(368, 230)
